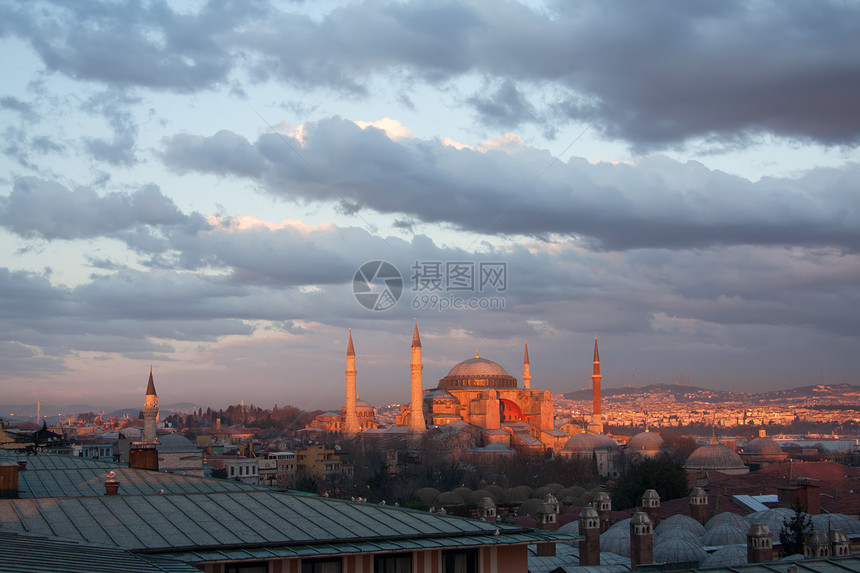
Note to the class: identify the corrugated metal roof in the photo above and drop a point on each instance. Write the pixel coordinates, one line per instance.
(26, 554)
(235, 519)
(55, 475)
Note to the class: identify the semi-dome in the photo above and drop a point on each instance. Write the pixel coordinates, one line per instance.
(763, 446)
(587, 443)
(478, 371)
(715, 457)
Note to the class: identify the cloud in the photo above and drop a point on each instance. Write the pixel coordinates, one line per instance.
(506, 188)
(655, 77)
(46, 209)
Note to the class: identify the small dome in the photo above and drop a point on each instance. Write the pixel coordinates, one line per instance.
(678, 533)
(646, 441)
(681, 521)
(571, 528)
(616, 540)
(714, 457)
(727, 556)
(477, 367)
(621, 524)
(173, 443)
(765, 445)
(832, 521)
(724, 535)
(728, 518)
(438, 394)
(773, 518)
(678, 551)
(587, 443)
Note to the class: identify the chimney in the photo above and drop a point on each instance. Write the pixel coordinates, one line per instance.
(839, 543)
(603, 504)
(759, 543)
(9, 480)
(641, 540)
(651, 506)
(111, 484)
(547, 519)
(143, 456)
(699, 505)
(817, 544)
(589, 527)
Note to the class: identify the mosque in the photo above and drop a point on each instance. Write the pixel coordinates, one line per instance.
(477, 396)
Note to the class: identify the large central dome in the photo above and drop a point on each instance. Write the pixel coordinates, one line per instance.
(478, 372)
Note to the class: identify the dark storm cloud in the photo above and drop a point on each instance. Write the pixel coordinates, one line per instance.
(46, 209)
(655, 74)
(656, 203)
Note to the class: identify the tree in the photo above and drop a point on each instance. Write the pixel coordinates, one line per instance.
(663, 474)
(794, 531)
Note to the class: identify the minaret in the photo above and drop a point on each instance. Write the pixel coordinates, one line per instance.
(350, 418)
(416, 416)
(527, 377)
(150, 411)
(596, 418)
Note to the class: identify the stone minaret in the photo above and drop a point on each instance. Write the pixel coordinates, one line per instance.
(759, 543)
(527, 377)
(150, 411)
(416, 416)
(589, 527)
(641, 540)
(596, 417)
(350, 418)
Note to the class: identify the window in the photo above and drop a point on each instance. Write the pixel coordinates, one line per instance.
(396, 563)
(457, 561)
(330, 565)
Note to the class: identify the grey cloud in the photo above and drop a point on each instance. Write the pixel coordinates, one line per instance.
(656, 75)
(15, 104)
(656, 203)
(46, 209)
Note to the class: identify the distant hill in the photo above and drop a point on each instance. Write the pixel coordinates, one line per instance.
(819, 393)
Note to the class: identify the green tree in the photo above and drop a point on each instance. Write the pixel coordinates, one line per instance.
(663, 474)
(794, 532)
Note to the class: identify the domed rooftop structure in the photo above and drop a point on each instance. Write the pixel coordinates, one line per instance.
(649, 441)
(766, 446)
(681, 521)
(829, 521)
(678, 551)
(727, 518)
(173, 443)
(727, 556)
(587, 443)
(773, 518)
(479, 372)
(716, 457)
(725, 535)
(678, 533)
(616, 540)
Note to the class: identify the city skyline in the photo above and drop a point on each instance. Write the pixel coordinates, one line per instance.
(197, 187)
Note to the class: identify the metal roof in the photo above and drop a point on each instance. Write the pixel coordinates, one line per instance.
(26, 554)
(826, 565)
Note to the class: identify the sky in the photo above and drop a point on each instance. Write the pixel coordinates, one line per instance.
(204, 187)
